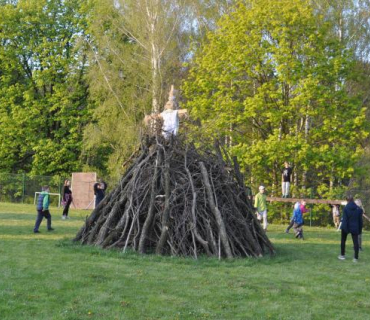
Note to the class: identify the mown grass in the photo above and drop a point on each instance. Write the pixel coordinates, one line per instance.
(46, 276)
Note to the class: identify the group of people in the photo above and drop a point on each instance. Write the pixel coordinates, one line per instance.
(351, 222)
(260, 204)
(43, 202)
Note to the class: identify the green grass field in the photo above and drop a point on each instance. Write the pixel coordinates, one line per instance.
(46, 276)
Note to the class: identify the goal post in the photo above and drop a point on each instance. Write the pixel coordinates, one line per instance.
(50, 194)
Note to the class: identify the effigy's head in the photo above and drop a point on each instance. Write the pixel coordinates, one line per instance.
(170, 105)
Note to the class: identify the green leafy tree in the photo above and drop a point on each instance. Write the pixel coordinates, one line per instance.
(137, 48)
(43, 92)
(272, 82)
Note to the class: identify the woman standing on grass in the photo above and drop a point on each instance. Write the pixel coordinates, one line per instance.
(67, 199)
(351, 223)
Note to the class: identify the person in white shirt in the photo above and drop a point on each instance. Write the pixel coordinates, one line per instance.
(170, 116)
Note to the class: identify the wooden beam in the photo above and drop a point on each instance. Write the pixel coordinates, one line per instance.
(312, 201)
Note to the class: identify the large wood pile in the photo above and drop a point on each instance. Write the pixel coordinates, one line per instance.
(174, 200)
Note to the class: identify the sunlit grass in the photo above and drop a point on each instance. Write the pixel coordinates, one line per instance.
(46, 276)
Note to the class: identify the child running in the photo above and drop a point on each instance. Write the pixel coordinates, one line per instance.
(303, 210)
(298, 221)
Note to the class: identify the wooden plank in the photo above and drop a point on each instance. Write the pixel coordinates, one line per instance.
(308, 201)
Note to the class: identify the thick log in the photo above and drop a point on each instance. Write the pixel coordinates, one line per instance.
(166, 211)
(216, 211)
(149, 219)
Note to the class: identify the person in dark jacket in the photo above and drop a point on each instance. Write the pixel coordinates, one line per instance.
(358, 202)
(67, 199)
(351, 223)
(99, 191)
(43, 210)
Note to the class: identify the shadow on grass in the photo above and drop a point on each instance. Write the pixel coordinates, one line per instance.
(285, 253)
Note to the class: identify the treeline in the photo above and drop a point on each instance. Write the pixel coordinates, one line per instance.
(273, 80)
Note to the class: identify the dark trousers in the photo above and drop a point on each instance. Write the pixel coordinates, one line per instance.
(298, 230)
(343, 243)
(290, 225)
(98, 199)
(66, 208)
(40, 215)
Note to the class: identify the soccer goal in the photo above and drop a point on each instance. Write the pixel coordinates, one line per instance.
(50, 194)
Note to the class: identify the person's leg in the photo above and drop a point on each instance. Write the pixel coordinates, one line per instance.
(336, 221)
(47, 215)
(39, 218)
(97, 201)
(360, 242)
(343, 243)
(264, 216)
(287, 189)
(355, 244)
(300, 231)
(297, 229)
(290, 226)
(283, 189)
(66, 208)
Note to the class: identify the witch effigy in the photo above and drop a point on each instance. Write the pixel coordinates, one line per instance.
(177, 200)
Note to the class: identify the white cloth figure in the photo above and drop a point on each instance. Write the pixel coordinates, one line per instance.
(170, 123)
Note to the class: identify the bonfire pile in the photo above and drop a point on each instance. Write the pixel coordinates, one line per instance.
(174, 200)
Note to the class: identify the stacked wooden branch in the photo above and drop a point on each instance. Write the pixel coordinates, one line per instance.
(175, 200)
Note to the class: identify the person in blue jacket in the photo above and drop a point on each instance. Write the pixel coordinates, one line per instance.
(297, 220)
(351, 223)
(43, 202)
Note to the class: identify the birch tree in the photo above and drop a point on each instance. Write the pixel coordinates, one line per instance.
(137, 52)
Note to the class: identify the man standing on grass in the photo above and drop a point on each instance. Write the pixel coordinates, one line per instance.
(260, 204)
(351, 223)
(43, 202)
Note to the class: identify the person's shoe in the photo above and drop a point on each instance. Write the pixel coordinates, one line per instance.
(286, 230)
(51, 229)
(340, 257)
(355, 260)
(63, 217)
(297, 235)
(36, 231)
(67, 217)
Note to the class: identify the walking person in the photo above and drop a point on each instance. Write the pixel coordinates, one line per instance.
(351, 224)
(286, 177)
(298, 221)
(303, 208)
(43, 202)
(260, 203)
(66, 199)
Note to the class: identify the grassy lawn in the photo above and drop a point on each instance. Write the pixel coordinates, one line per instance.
(45, 276)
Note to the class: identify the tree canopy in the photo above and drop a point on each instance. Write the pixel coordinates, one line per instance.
(43, 92)
(273, 82)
